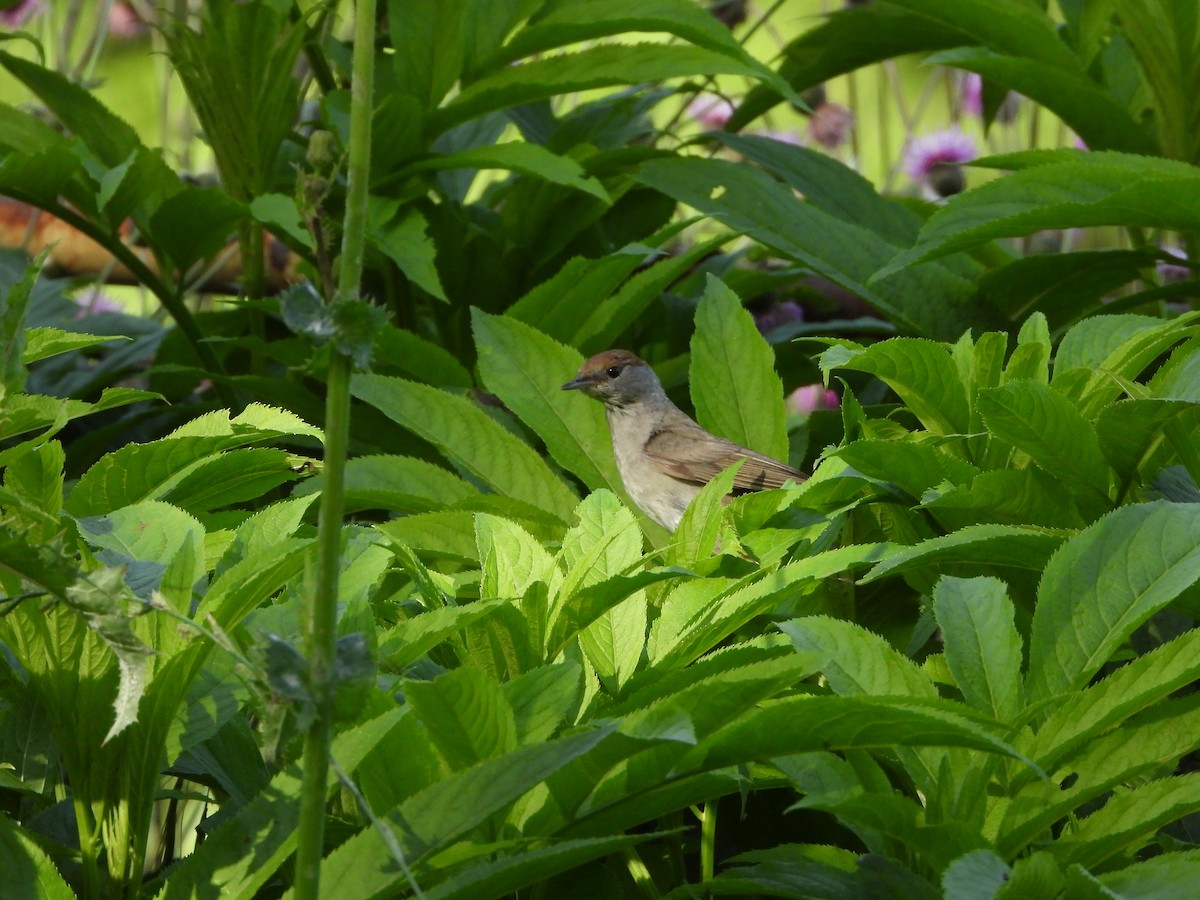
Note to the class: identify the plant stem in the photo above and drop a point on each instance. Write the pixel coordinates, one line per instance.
(708, 841)
(322, 616)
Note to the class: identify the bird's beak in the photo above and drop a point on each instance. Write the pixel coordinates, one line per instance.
(576, 383)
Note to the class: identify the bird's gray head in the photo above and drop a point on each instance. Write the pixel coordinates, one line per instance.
(617, 378)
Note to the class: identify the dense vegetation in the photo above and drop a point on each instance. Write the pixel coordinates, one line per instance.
(356, 520)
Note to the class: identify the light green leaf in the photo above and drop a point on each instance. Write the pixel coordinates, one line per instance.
(735, 389)
(1038, 420)
(695, 538)
(466, 714)
(1090, 342)
(510, 558)
(1131, 431)
(413, 638)
(859, 662)
(920, 371)
(1131, 688)
(977, 875)
(396, 483)
(1129, 820)
(41, 343)
(1103, 584)
(526, 369)
(981, 643)
(279, 212)
(29, 871)
(468, 437)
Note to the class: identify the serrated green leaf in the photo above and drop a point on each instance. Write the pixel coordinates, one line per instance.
(913, 466)
(470, 438)
(1130, 431)
(1102, 584)
(975, 876)
(981, 643)
(920, 371)
(279, 213)
(1129, 820)
(1112, 189)
(1089, 343)
(466, 714)
(1136, 686)
(233, 477)
(510, 558)
(41, 343)
(526, 370)
(1005, 497)
(1038, 420)
(29, 870)
(403, 352)
(735, 389)
(994, 545)
(413, 638)
(695, 537)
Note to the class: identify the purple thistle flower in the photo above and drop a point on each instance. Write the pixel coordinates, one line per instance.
(16, 16)
(710, 110)
(934, 160)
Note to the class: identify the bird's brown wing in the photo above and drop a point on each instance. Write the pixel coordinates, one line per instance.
(691, 454)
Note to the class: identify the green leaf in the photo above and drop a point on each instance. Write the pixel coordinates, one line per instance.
(1063, 286)
(41, 343)
(532, 160)
(1164, 875)
(913, 466)
(858, 661)
(396, 483)
(977, 875)
(606, 320)
(593, 67)
(1003, 546)
(279, 213)
(435, 817)
(445, 533)
(735, 389)
(468, 437)
(397, 351)
(1108, 189)
(571, 23)
(526, 370)
(402, 236)
(1131, 431)
(267, 823)
(932, 300)
(428, 37)
(1102, 585)
(920, 371)
(413, 638)
(29, 871)
(558, 305)
(1091, 342)
(1128, 821)
(1038, 420)
(1005, 497)
(466, 714)
(1091, 111)
(109, 137)
(511, 559)
(233, 477)
(982, 645)
(696, 536)
(14, 301)
(1139, 685)
(848, 39)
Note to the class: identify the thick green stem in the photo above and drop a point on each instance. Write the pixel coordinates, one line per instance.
(322, 616)
(708, 841)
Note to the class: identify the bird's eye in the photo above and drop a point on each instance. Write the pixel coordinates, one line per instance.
(614, 371)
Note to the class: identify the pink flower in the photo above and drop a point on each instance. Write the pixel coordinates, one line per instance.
(124, 21)
(830, 125)
(710, 110)
(16, 16)
(934, 160)
(811, 397)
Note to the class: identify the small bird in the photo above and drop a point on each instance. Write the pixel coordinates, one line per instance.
(663, 455)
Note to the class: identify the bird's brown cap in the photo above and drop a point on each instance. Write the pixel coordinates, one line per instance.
(603, 367)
